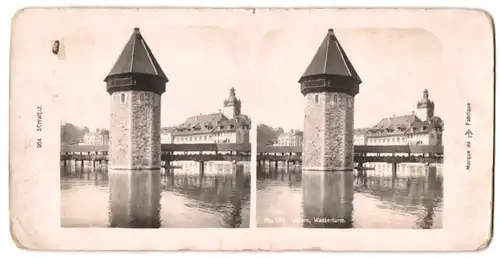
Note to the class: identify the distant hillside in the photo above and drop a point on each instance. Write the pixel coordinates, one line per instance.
(72, 134)
(267, 135)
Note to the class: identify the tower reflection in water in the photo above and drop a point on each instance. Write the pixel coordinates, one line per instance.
(134, 198)
(180, 197)
(327, 199)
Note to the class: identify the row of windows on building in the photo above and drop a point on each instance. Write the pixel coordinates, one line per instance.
(192, 138)
(415, 138)
(210, 137)
(388, 140)
(142, 98)
(335, 100)
(177, 140)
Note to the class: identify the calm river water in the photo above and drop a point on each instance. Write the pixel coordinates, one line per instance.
(178, 198)
(374, 199)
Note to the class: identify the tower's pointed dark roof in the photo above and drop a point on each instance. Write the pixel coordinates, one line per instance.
(331, 59)
(136, 57)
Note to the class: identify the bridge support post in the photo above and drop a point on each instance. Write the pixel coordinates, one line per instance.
(394, 169)
(431, 172)
(166, 157)
(202, 167)
(276, 164)
(287, 165)
(361, 169)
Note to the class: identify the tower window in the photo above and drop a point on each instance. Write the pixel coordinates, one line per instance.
(122, 98)
(334, 99)
(141, 97)
(316, 100)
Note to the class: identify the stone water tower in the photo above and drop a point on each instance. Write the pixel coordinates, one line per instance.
(135, 84)
(329, 85)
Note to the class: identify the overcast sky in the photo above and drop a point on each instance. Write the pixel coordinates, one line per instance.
(262, 63)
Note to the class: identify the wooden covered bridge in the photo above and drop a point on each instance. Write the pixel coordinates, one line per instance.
(270, 154)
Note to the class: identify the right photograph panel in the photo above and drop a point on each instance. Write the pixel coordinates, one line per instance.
(350, 134)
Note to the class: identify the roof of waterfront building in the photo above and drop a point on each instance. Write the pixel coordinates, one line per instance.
(405, 124)
(331, 59)
(210, 123)
(167, 129)
(137, 57)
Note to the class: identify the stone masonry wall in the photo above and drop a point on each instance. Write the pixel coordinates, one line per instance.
(328, 132)
(135, 130)
(120, 131)
(156, 135)
(313, 132)
(349, 148)
(146, 138)
(339, 126)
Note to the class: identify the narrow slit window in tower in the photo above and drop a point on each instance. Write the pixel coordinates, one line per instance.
(335, 99)
(316, 99)
(122, 98)
(141, 97)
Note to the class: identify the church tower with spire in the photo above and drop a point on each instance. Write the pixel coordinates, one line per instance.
(232, 105)
(135, 84)
(329, 85)
(425, 107)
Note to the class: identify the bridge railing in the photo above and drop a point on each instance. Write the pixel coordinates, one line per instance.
(234, 147)
(83, 156)
(279, 149)
(214, 147)
(431, 149)
(84, 148)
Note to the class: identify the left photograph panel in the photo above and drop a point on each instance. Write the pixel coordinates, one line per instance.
(156, 135)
